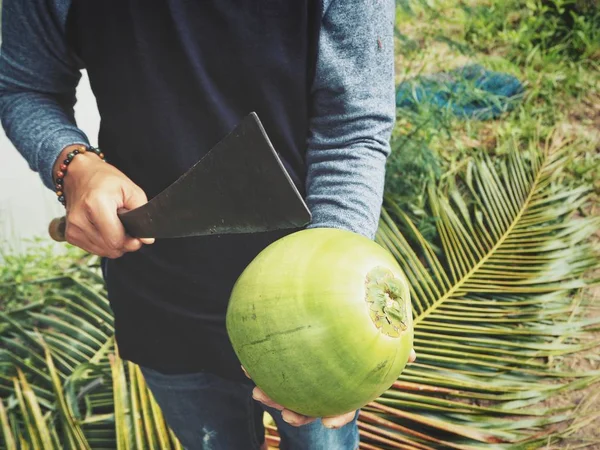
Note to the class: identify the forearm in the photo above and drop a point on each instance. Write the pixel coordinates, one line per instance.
(345, 184)
(38, 78)
(353, 116)
(346, 176)
(40, 128)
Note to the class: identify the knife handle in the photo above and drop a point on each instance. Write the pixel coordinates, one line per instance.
(57, 229)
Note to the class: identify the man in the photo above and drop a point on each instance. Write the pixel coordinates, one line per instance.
(171, 78)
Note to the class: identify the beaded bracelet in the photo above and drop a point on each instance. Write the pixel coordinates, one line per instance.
(62, 171)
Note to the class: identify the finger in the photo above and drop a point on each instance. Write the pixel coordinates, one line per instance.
(92, 237)
(260, 396)
(412, 357)
(338, 421)
(288, 416)
(132, 244)
(78, 226)
(134, 197)
(78, 237)
(245, 373)
(296, 419)
(82, 233)
(90, 248)
(103, 215)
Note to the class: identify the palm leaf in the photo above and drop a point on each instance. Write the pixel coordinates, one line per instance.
(64, 383)
(73, 434)
(7, 433)
(36, 424)
(492, 310)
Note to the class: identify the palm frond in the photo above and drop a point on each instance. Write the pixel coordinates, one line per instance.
(63, 382)
(493, 310)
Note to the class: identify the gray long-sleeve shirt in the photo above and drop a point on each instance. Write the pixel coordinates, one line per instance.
(350, 127)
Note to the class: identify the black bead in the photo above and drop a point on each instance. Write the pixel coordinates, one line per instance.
(61, 199)
(76, 152)
(66, 162)
(59, 181)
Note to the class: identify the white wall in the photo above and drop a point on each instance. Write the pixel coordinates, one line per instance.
(26, 205)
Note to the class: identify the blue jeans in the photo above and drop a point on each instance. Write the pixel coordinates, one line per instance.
(208, 412)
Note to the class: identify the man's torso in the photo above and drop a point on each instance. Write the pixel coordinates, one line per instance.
(171, 78)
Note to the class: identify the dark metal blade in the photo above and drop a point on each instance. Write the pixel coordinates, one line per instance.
(239, 186)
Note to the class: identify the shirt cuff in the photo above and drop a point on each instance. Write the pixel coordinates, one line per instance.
(52, 146)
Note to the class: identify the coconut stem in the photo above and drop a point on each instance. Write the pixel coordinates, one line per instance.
(387, 308)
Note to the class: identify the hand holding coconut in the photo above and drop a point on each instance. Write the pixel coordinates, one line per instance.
(321, 321)
(298, 420)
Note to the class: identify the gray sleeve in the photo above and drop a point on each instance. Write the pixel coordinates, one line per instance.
(352, 116)
(38, 79)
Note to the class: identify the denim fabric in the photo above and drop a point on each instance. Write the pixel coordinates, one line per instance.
(208, 412)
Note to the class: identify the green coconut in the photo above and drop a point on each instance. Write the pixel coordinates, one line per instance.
(321, 320)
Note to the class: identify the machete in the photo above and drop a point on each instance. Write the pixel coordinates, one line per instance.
(239, 186)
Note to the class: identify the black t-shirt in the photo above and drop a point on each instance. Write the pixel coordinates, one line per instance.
(172, 78)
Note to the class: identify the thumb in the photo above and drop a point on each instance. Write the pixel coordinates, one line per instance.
(134, 197)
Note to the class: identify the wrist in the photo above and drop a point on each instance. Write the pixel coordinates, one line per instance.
(74, 160)
(83, 159)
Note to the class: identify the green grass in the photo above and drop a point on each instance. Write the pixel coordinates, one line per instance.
(39, 262)
(552, 46)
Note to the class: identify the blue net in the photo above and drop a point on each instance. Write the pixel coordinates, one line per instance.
(467, 92)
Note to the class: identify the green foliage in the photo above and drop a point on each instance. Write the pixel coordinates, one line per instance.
(562, 79)
(62, 383)
(491, 310)
(17, 271)
(411, 168)
(562, 29)
(560, 89)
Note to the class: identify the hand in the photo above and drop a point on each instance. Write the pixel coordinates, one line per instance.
(298, 420)
(95, 191)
